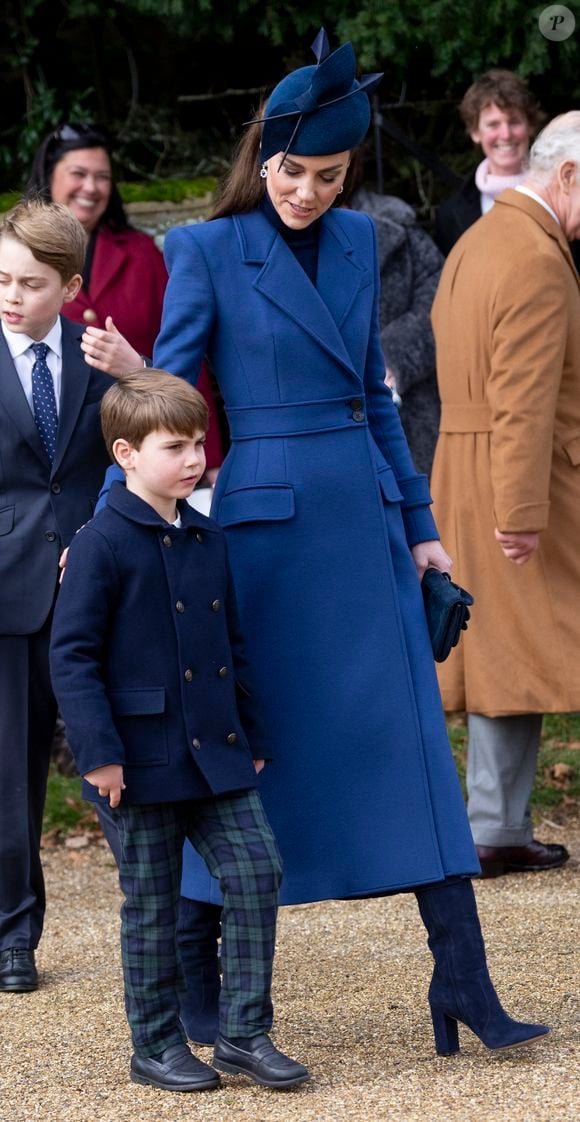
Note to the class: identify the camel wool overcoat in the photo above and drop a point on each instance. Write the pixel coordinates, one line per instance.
(507, 329)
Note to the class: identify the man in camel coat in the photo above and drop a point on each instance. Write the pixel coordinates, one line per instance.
(506, 483)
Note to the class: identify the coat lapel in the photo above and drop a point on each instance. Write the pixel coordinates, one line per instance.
(110, 258)
(75, 379)
(14, 401)
(320, 312)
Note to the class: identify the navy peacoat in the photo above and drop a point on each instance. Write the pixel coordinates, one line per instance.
(145, 654)
(320, 502)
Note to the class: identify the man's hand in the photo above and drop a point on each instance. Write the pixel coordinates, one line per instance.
(109, 781)
(518, 547)
(426, 554)
(108, 350)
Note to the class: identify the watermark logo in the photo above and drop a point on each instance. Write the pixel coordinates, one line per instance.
(557, 23)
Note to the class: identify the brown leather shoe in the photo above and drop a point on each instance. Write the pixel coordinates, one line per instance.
(531, 858)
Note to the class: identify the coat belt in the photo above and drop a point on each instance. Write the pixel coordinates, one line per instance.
(465, 418)
(300, 417)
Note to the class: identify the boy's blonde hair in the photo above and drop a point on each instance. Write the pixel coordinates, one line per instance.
(51, 232)
(145, 401)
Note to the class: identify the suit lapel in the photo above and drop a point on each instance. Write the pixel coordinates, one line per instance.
(75, 379)
(13, 399)
(320, 312)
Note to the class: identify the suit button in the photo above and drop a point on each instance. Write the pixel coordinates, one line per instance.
(167, 540)
(188, 675)
(90, 316)
(55, 488)
(356, 403)
(216, 605)
(199, 536)
(196, 743)
(231, 738)
(358, 415)
(223, 671)
(50, 536)
(180, 606)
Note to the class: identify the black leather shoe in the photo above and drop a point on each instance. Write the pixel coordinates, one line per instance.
(177, 1070)
(531, 858)
(17, 971)
(260, 1060)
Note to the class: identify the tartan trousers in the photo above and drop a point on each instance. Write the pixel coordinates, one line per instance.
(233, 836)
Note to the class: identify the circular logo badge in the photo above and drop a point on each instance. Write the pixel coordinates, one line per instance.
(557, 22)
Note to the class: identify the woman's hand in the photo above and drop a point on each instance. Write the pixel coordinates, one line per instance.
(109, 351)
(427, 554)
(518, 547)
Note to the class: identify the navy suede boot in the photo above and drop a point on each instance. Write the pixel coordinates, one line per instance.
(198, 930)
(461, 988)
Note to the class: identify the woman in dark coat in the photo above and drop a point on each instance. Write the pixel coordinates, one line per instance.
(329, 532)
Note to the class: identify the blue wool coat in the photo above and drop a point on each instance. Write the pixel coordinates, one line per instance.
(145, 654)
(320, 502)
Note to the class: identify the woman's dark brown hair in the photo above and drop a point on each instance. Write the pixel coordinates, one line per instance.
(507, 91)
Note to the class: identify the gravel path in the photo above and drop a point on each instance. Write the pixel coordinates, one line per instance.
(350, 990)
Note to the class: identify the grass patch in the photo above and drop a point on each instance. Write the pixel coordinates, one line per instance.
(66, 811)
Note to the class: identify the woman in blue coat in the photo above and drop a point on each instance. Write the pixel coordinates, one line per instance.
(329, 532)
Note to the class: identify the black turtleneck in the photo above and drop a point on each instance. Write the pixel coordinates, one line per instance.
(303, 243)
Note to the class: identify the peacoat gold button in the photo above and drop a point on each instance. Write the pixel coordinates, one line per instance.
(180, 606)
(167, 540)
(196, 743)
(223, 671)
(90, 316)
(231, 738)
(188, 675)
(216, 605)
(199, 536)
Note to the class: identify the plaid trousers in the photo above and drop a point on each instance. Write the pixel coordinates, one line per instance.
(235, 839)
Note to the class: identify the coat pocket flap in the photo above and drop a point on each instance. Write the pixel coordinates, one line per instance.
(269, 502)
(6, 519)
(571, 448)
(137, 702)
(388, 485)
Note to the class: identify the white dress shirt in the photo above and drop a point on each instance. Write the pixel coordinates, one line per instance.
(20, 347)
(532, 195)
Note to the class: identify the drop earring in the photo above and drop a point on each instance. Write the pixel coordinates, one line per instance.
(263, 171)
(340, 190)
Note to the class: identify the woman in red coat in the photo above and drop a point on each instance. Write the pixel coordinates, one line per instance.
(124, 277)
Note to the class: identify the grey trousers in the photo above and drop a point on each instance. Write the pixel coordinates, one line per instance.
(501, 767)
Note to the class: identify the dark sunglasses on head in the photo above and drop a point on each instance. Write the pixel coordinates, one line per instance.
(67, 132)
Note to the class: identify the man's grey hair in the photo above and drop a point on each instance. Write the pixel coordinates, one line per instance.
(558, 141)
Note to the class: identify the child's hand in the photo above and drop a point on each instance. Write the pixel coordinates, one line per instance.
(109, 781)
(108, 350)
(62, 563)
(259, 764)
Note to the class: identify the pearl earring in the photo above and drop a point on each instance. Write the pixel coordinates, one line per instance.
(263, 171)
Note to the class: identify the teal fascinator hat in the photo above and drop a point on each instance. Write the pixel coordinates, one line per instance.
(321, 109)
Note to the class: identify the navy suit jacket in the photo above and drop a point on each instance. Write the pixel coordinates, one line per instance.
(42, 504)
(146, 655)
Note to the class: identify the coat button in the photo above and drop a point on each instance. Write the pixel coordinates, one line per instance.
(55, 488)
(231, 738)
(196, 743)
(90, 316)
(188, 675)
(167, 540)
(180, 606)
(356, 403)
(358, 415)
(50, 536)
(216, 605)
(199, 536)
(223, 671)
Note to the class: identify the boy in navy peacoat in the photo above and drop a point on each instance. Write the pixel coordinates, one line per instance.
(146, 662)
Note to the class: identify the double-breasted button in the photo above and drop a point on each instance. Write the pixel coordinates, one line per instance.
(55, 488)
(231, 737)
(195, 743)
(179, 606)
(199, 536)
(358, 415)
(90, 316)
(356, 403)
(188, 675)
(216, 605)
(50, 536)
(223, 671)
(167, 540)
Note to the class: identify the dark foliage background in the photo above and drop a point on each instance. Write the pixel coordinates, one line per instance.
(158, 72)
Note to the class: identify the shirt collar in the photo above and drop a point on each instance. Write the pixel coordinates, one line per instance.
(17, 344)
(532, 195)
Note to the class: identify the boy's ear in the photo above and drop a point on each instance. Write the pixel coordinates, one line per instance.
(72, 288)
(124, 453)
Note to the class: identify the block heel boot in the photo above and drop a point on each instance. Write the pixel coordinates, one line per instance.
(198, 931)
(461, 989)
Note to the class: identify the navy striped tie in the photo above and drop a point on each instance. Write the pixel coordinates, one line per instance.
(43, 400)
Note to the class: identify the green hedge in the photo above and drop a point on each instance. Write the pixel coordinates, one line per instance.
(159, 190)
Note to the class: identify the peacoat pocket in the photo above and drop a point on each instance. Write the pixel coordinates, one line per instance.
(571, 448)
(389, 486)
(6, 520)
(267, 502)
(139, 716)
